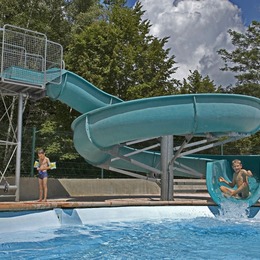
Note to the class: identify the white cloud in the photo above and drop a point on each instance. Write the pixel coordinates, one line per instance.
(197, 29)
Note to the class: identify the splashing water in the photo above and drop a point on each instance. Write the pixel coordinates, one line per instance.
(232, 210)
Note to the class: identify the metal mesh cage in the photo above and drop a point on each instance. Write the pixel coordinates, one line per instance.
(29, 58)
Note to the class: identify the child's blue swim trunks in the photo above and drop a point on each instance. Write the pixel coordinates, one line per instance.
(42, 174)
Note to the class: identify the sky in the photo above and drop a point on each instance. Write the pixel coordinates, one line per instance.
(197, 30)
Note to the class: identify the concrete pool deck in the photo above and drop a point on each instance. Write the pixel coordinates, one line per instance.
(90, 202)
(98, 202)
(94, 193)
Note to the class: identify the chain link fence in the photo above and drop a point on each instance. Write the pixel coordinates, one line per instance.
(69, 163)
(59, 148)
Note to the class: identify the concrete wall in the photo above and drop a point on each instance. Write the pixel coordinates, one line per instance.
(65, 188)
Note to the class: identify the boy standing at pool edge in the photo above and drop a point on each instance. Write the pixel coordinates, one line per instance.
(44, 165)
(240, 178)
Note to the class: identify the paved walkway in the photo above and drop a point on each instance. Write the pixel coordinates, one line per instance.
(181, 199)
(94, 202)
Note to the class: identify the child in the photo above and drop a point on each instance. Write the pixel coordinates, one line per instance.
(44, 165)
(240, 178)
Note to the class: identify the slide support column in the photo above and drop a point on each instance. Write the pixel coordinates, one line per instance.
(167, 168)
(19, 147)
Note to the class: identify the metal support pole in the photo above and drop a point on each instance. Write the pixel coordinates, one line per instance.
(19, 147)
(170, 168)
(167, 169)
(222, 149)
(33, 150)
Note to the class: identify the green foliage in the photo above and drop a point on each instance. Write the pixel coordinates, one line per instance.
(119, 56)
(45, 16)
(110, 46)
(195, 83)
(245, 60)
(82, 13)
(248, 145)
(60, 146)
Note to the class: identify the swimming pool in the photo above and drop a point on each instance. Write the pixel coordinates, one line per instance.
(178, 232)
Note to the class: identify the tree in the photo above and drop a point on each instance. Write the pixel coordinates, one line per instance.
(117, 54)
(55, 19)
(245, 60)
(195, 83)
(45, 16)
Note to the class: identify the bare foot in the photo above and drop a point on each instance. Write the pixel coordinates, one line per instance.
(40, 200)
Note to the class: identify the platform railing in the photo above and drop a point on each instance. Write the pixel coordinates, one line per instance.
(28, 57)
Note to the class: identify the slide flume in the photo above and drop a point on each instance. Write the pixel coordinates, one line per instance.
(221, 168)
(107, 123)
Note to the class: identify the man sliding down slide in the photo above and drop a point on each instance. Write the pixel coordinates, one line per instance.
(240, 179)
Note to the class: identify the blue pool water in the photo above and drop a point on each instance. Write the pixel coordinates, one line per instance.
(203, 236)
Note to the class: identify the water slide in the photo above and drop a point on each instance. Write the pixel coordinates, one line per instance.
(108, 124)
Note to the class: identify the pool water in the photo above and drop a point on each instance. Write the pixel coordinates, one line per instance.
(218, 237)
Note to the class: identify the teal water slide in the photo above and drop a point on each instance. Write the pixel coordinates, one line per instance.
(108, 126)
(134, 137)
